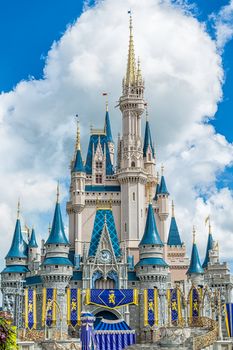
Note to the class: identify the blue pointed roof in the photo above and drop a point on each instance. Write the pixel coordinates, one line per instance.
(195, 264)
(78, 164)
(18, 247)
(107, 128)
(148, 140)
(210, 244)
(93, 142)
(151, 235)
(163, 186)
(57, 234)
(156, 192)
(174, 236)
(32, 243)
(100, 217)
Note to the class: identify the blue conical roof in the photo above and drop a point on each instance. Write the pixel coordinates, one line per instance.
(210, 244)
(107, 128)
(151, 235)
(78, 164)
(148, 140)
(156, 192)
(195, 264)
(18, 247)
(57, 234)
(32, 243)
(174, 236)
(163, 186)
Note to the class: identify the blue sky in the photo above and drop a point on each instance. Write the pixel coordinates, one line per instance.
(28, 28)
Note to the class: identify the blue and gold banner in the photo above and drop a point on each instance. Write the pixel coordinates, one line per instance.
(151, 307)
(112, 298)
(229, 318)
(73, 306)
(49, 316)
(30, 308)
(174, 300)
(194, 301)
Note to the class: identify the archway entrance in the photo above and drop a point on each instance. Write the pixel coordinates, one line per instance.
(106, 314)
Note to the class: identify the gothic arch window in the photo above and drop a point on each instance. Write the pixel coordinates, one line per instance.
(133, 196)
(133, 164)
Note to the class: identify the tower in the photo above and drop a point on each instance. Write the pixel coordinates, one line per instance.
(195, 271)
(33, 259)
(152, 270)
(131, 173)
(56, 269)
(76, 203)
(163, 210)
(13, 276)
(176, 252)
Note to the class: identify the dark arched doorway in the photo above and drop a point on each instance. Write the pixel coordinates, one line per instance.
(107, 315)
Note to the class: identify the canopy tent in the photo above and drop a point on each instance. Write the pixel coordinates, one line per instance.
(113, 335)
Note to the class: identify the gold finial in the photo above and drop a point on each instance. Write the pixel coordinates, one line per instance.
(194, 234)
(18, 208)
(162, 169)
(130, 73)
(77, 146)
(173, 209)
(210, 228)
(58, 191)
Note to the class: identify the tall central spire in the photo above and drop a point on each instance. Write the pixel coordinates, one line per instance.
(130, 78)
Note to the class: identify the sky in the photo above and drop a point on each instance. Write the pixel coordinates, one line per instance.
(56, 59)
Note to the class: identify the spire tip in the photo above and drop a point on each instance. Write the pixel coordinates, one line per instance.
(58, 191)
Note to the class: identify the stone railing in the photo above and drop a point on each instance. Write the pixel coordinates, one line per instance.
(208, 338)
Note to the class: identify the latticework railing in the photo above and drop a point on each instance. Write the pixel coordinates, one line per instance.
(208, 338)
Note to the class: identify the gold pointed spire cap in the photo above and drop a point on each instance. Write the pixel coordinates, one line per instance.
(173, 209)
(58, 191)
(194, 234)
(18, 208)
(78, 144)
(131, 69)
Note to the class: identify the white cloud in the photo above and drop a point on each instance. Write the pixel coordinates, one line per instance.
(183, 75)
(224, 25)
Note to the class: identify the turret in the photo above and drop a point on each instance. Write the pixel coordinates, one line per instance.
(56, 262)
(33, 251)
(108, 132)
(162, 200)
(151, 262)
(209, 247)
(14, 273)
(148, 150)
(78, 176)
(176, 251)
(195, 271)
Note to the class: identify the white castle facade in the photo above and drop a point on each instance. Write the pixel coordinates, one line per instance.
(122, 227)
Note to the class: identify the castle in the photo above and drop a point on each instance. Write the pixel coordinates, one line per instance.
(122, 227)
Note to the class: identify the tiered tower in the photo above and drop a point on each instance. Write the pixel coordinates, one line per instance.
(132, 175)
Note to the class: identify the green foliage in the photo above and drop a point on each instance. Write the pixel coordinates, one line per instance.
(7, 335)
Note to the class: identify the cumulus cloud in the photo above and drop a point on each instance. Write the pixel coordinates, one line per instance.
(183, 75)
(224, 25)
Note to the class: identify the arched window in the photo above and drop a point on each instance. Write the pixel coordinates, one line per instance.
(133, 164)
(133, 196)
(125, 227)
